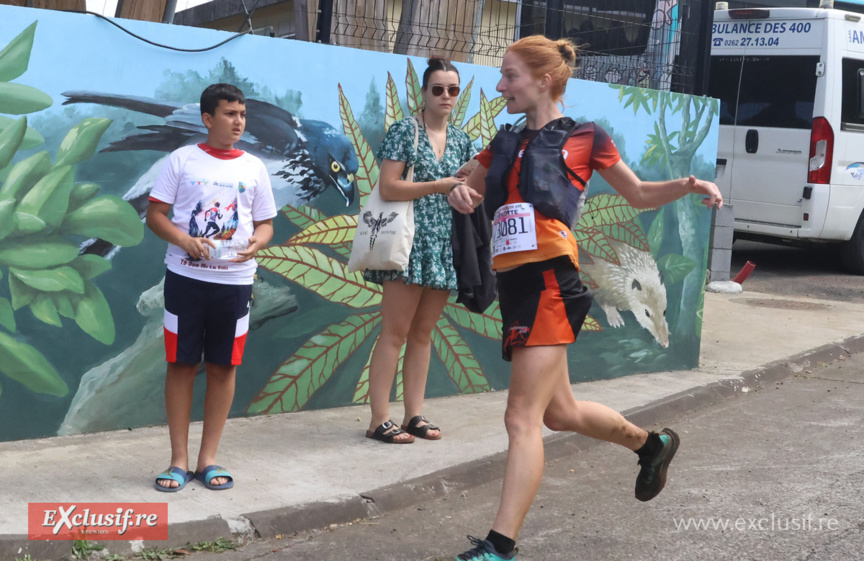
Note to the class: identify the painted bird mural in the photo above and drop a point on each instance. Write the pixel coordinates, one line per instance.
(304, 157)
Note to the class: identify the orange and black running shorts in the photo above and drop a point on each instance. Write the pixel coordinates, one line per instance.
(542, 304)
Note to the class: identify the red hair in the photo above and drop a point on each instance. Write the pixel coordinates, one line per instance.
(545, 56)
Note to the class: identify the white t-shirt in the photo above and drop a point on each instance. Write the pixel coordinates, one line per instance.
(215, 194)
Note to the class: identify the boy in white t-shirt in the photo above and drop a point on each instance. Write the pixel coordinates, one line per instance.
(223, 213)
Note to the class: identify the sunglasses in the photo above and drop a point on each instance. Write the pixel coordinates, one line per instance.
(438, 90)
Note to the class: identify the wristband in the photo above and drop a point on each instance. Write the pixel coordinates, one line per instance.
(453, 187)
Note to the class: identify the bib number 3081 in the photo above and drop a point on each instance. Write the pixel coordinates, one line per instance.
(513, 229)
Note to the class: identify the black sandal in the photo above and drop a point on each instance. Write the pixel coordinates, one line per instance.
(422, 431)
(387, 432)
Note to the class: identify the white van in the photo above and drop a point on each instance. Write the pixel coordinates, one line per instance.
(791, 150)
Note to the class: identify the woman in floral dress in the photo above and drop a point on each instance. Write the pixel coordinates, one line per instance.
(413, 299)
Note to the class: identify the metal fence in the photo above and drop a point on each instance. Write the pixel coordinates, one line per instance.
(661, 44)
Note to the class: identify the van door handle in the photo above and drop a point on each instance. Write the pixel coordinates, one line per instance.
(751, 142)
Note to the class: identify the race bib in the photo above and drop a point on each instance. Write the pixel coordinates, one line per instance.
(513, 229)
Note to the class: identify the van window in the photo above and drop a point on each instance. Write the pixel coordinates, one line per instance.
(774, 91)
(852, 111)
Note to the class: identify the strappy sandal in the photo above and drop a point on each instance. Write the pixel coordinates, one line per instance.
(421, 431)
(387, 432)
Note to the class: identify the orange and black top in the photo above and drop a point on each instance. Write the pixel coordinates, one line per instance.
(589, 148)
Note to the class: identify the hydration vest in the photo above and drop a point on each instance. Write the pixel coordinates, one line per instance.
(544, 179)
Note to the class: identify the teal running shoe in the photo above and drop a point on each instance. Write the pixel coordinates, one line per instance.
(652, 476)
(483, 550)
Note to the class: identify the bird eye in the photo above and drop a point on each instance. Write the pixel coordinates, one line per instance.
(647, 313)
(335, 167)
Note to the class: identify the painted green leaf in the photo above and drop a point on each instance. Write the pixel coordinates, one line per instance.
(457, 117)
(7, 315)
(367, 174)
(26, 365)
(675, 267)
(15, 57)
(49, 198)
(90, 266)
(655, 234)
(11, 139)
(332, 231)
(21, 294)
(303, 216)
(488, 324)
(393, 112)
(606, 209)
(626, 232)
(24, 175)
(26, 223)
(591, 324)
(361, 390)
(474, 127)
(109, 218)
(37, 254)
(497, 105)
(587, 280)
(51, 280)
(597, 245)
(413, 85)
(93, 315)
(65, 304)
(81, 142)
(487, 120)
(299, 377)
(81, 193)
(462, 367)
(32, 138)
(7, 217)
(44, 310)
(17, 99)
(321, 274)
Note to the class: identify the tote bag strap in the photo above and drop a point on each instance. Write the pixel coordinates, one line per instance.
(409, 176)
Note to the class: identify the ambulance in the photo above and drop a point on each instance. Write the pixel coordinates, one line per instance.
(791, 150)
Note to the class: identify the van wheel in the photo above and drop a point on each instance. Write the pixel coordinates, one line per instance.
(852, 252)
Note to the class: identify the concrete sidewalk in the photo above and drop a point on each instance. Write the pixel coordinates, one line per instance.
(306, 470)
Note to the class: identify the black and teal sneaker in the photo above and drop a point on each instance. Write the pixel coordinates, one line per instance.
(652, 476)
(483, 550)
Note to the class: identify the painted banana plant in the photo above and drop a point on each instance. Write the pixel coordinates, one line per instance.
(316, 259)
(44, 216)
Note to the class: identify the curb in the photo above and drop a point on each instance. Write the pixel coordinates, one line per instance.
(279, 522)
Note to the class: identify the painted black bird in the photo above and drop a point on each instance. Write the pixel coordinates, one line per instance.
(304, 157)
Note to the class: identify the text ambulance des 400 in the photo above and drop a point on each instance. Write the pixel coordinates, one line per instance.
(791, 152)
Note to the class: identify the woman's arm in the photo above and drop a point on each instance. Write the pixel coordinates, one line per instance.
(648, 194)
(394, 188)
(465, 197)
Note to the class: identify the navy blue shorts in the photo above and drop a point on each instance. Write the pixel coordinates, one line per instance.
(205, 317)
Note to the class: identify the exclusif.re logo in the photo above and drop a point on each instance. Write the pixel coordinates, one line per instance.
(97, 521)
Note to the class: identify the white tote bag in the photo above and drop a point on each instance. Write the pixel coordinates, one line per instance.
(385, 230)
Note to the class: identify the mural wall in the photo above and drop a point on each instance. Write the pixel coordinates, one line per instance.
(88, 113)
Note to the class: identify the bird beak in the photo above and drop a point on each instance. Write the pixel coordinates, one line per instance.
(345, 186)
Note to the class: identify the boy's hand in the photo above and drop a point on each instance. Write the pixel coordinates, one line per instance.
(249, 252)
(197, 248)
(708, 188)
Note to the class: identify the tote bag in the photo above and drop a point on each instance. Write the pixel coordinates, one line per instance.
(385, 230)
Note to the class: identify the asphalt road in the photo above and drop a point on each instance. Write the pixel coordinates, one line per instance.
(773, 475)
(813, 272)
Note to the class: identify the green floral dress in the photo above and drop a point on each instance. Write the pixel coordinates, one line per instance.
(431, 260)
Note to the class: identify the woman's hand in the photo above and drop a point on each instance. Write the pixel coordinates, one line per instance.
(708, 188)
(445, 184)
(464, 199)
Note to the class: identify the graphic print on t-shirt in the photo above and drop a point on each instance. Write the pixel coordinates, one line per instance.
(215, 217)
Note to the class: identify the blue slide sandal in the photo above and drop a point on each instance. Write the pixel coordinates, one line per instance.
(180, 476)
(211, 472)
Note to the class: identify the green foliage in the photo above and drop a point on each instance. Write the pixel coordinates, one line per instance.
(82, 549)
(372, 119)
(323, 271)
(44, 217)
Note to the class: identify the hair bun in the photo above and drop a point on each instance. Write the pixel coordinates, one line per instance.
(568, 53)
